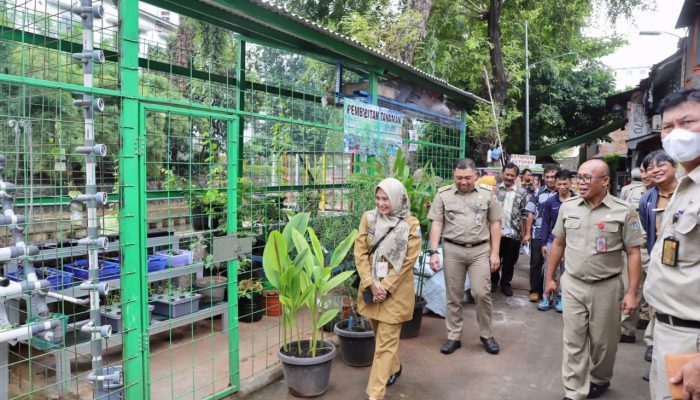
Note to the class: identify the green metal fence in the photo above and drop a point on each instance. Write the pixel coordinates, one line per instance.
(199, 147)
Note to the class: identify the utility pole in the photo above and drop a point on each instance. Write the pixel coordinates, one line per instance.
(527, 95)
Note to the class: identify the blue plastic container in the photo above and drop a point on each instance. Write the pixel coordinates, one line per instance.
(176, 258)
(59, 279)
(108, 270)
(157, 263)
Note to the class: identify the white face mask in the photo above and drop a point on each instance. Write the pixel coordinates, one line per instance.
(682, 145)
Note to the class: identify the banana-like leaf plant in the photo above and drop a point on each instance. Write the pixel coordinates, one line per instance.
(294, 265)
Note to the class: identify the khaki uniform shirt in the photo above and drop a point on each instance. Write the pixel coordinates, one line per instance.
(398, 307)
(676, 290)
(633, 193)
(596, 237)
(465, 216)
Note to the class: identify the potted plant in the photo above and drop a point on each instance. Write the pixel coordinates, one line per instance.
(356, 341)
(112, 311)
(272, 303)
(421, 187)
(175, 303)
(294, 265)
(213, 286)
(250, 308)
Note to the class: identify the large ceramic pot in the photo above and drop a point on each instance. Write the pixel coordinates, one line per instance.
(212, 288)
(307, 376)
(411, 329)
(356, 344)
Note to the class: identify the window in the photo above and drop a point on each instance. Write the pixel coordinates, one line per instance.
(165, 15)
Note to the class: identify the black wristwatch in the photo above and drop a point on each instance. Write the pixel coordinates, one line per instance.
(431, 252)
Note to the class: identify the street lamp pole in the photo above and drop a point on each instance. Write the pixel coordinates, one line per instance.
(527, 95)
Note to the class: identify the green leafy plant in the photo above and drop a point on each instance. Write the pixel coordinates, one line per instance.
(249, 287)
(421, 187)
(294, 265)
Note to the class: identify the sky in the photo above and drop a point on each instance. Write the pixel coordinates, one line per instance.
(645, 51)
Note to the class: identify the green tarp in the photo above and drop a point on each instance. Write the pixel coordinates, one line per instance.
(581, 139)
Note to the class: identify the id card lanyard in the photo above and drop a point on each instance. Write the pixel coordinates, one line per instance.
(669, 253)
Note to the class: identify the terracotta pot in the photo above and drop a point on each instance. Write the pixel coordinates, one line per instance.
(272, 305)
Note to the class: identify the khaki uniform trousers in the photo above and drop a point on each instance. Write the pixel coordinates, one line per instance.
(669, 339)
(386, 357)
(629, 322)
(458, 261)
(591, 333)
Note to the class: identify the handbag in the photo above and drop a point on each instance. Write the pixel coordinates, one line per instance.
(356, 282)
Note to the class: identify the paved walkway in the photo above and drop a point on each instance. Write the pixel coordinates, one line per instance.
(527, 368)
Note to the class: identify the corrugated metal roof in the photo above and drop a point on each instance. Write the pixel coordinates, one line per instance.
(410, 70)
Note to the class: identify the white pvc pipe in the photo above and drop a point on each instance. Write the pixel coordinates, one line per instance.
(27, 331)
(14, 289)
(67, 298)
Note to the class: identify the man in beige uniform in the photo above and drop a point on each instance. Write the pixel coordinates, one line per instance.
(632, 193)
(469, 219)
(672, 287)
(591, 232)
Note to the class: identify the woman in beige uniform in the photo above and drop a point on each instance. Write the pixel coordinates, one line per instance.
(386, 249)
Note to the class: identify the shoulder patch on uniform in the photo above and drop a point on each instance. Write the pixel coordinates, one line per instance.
(485, 187)
(444, 188)
(634, 214)
(620, 201)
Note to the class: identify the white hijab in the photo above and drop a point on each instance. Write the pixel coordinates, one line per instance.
(394, 247)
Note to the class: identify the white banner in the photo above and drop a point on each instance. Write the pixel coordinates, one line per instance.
(522, 160)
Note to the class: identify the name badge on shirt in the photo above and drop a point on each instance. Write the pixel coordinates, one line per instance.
(382, 269)
(601, 244)
(669, 254)
(478, 215)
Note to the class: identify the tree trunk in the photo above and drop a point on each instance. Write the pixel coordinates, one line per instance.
(499, 80)
(422, 7)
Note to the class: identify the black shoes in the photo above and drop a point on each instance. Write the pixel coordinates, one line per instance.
(490, 345)
(450, 346)
(646, 374)
(394, 376)
(628, 338)
(507, 290)
(648, 353)
(597, 390)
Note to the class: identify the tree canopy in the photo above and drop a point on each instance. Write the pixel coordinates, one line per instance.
(456, 39)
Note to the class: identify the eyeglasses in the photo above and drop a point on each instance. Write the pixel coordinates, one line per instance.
(587, 178)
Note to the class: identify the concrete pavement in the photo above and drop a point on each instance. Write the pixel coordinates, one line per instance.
(528, 366)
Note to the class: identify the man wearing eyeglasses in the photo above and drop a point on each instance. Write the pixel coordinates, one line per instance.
(673, 279)
(591, 232)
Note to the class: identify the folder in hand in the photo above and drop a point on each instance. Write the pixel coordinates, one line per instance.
(674, 363)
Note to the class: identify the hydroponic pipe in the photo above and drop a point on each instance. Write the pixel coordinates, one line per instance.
(69, 299)
(28, 331)
(89, 104)
(16, 289)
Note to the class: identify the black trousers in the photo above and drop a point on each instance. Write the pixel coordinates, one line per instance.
(536, 262)
(510, 251)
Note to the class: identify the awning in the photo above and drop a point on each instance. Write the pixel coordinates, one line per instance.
(633, 143)
(581, 139)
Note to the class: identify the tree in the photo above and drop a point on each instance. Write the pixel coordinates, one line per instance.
(461, 37)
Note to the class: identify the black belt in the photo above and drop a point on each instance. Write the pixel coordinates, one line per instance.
(607, 278)
(675, 321)
(467, 245)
